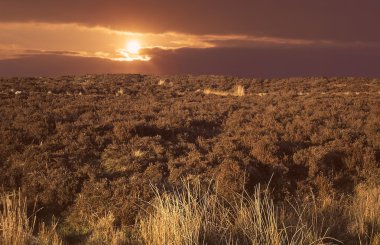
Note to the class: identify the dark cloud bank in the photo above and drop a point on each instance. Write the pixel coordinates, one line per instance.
(345, 20)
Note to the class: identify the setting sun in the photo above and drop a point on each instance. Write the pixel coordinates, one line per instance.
(132, 52)
(133, 47)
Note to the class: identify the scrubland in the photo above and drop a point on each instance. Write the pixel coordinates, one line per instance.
(140, 159)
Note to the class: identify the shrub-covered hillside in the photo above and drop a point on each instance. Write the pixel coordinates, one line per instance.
(100, 144)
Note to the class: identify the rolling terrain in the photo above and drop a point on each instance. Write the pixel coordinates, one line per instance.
(83, 147)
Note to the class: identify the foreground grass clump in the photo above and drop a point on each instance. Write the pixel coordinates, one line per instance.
(17, 228)
(198, 214)
(366, 214)
(15, 225)
(193, 217)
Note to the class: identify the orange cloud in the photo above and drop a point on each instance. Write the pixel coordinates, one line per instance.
(101, 42)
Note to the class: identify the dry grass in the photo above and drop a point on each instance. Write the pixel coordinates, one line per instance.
(103, 231)
(306, 222)
(15, 225)
(262, 94)
(174, 220)
(190, 217)
(239, 91)
(17, 228)
(138, 153)
(193, 215)
(119, 92)
(366, 213)
(216, 92)
(256, 219)
(49, 235)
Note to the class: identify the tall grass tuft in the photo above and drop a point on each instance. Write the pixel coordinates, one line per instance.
(256, 219)
(15, 225)
(191, 216)
(17, 228)
(175, 219)
(239, 91)
(366, 214)
(48, 235)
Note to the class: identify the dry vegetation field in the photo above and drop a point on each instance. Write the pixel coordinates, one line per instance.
(135, 159)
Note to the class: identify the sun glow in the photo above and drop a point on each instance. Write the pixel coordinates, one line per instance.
(133, 47)
(132, 52)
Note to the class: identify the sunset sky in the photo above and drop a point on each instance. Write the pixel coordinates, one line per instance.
(268, 38)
